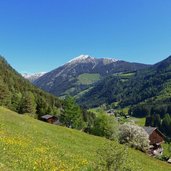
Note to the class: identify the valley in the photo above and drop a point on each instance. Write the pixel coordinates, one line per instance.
(126, 94)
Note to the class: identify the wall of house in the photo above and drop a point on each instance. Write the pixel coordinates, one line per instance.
(155, 137)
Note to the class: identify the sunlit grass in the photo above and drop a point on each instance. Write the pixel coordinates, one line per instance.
(88, 78)
(28, 144)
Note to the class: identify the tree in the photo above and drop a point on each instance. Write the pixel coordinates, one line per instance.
(148, 121)
(169, 109)
(139, 111)
(159, 109)
(4, 94)
(41, 107)
(153, 120)
(28, 104)
(157, 121)
(16, 102)
(114, 157)
(134, 136)
(105, 126)
(72, 115)
(166, 125)
(89, 118)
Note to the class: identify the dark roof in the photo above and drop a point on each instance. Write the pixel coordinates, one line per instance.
(149, 129)
(47, 116)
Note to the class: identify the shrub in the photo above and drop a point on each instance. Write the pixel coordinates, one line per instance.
(134, 136)
(115, 157)
(105, 126)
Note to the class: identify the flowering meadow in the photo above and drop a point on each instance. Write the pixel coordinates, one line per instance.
(28, 144)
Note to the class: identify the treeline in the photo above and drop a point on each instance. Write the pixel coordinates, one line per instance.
(144, 110)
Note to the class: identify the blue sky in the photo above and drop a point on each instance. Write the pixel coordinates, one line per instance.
(40, 35)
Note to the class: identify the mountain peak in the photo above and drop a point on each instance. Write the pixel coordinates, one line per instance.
(88, 58)
(80, 58)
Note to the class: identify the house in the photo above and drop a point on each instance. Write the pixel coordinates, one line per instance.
(156, 138)
(50, 119)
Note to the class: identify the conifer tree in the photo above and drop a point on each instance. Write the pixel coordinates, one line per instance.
(28, 104)
(71, 116)
(4, 95)
(166, 125)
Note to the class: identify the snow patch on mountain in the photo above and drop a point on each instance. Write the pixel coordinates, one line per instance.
(83, 58)
(80, 58)
(33, 77)
(112, 59)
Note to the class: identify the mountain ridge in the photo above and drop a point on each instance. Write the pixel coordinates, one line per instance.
(64, 80)
(150, 85)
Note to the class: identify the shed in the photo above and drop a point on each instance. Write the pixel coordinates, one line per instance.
(49, 118)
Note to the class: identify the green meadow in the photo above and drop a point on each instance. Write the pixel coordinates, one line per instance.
(29, 144)
(88, 78)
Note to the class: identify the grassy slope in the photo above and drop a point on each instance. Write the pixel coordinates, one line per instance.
(87, 79)
(28, 144)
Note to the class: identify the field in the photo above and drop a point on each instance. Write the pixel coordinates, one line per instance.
(28, 144)
(87, 79)
(139, 121)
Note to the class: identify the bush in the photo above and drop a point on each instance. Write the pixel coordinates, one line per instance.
(115, 157)
(134, 136)
(105, 126)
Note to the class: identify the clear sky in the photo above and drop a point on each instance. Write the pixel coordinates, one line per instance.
(40, 35)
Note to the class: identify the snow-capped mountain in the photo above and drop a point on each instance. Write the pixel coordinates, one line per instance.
(33, 77)
(87, 58)
(80, 58)
(81, 73)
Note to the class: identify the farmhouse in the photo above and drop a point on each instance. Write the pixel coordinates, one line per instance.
(156, 139)
(50, 119)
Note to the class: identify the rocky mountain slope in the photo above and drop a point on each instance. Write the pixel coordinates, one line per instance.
(80, 74)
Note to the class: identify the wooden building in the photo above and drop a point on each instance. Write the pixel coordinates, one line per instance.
(156, 138)
(50, 119)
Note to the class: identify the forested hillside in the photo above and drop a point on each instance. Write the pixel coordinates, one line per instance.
(21, 96)
(148, 84)
(105, 91)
